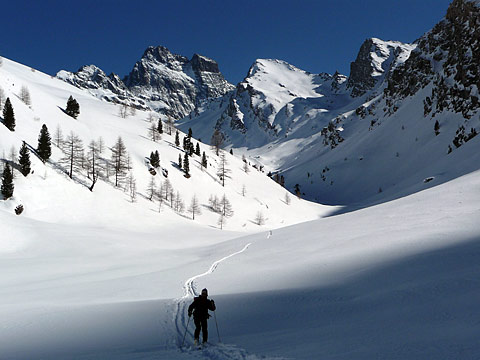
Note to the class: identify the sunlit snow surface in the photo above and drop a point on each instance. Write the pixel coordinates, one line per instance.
(93, 276)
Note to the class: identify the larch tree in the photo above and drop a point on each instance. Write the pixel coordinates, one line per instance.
(221, 221)
(25, 95)
(95, 162)
(159, 195)
(194, 207)
(120, 161)
(288, 200)
(123, 111)
(223, 171)
(167, 189)
(73, 153)
(58, 136)
(225, 207)
(2, 97)
(170, 125)
(153, 132)
(151, 188)
(259, 219)
(178, 204)
(132, 187)
(217, 140)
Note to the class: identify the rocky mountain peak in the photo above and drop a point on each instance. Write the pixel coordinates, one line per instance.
(162, 55)
(202, 63)
(161, 81)
(375, 59)
(92, 77)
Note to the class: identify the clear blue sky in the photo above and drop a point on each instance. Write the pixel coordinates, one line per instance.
(317, 36)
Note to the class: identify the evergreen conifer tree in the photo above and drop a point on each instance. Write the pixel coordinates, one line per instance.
(436, 127)
(186, 165)
(44, 148)
(155, 159)
(24, 160)
(197, 149)
(204, 160)
(8, 115)
(177, 139)
(73, 108)
(180, 161)
(7, 183)
(160, 126)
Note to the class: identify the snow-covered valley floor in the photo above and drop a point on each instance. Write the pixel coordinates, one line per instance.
(397, 281)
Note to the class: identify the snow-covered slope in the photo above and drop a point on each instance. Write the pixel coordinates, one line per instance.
(395, 281)
(48, 194)
(400, 117)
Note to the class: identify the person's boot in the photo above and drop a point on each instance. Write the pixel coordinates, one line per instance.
(195, 342)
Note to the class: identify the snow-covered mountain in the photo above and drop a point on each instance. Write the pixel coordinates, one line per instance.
(101, 275)
(168, 83)
(395, 121)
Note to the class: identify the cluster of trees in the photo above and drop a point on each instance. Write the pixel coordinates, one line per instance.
(222, 206)
(189, 151)
(126, 110)
(73, 108)
(155, 159)
(165, 194)
(24, 164)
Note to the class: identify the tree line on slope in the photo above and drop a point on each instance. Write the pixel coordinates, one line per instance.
(118, 166)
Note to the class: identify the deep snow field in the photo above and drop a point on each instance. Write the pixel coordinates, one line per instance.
(91, 275)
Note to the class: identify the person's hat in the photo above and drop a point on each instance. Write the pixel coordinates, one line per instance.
(205, 292)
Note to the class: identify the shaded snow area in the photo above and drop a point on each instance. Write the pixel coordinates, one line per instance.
(93, 275)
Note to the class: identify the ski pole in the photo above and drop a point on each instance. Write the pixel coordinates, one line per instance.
(215, 316)
(183, 342)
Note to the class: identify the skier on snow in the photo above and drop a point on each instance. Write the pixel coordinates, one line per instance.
(200, 306)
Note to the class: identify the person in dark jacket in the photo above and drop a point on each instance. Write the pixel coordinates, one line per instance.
(200, 306)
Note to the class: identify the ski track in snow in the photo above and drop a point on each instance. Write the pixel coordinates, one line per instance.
(218, 351)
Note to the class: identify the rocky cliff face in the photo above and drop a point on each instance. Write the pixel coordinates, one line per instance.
(448, 57)
(110, 88)
(168, 83)
(375, 60)
(173, 84)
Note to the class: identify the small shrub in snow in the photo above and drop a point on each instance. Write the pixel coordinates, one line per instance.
(19, 209)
